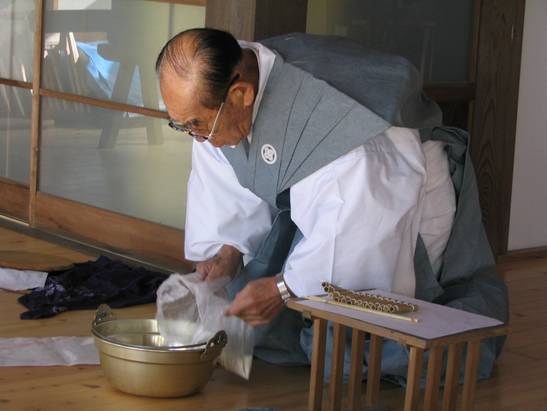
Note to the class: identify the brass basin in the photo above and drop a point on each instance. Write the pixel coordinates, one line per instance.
(136, 359)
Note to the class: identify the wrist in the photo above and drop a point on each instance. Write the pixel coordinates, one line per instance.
(282, 287)
(232, 257)
(229, 251)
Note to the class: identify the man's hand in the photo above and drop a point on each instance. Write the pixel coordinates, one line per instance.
(258, 303)
(225, 262)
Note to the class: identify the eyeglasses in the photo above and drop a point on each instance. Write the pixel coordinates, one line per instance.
(184, 128)
(200, 137)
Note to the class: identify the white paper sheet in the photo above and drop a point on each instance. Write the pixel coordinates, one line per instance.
(47, 351)
(17, 280)
(434, 320)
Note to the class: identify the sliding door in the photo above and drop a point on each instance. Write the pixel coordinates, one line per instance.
(101, 165)
(16, 49)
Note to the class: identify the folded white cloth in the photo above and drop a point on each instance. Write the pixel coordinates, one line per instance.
(17, 280)
(47, 351)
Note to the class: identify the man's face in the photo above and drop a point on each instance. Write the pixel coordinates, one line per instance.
(182, 102)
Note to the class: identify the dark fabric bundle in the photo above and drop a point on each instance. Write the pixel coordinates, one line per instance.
(87, 285)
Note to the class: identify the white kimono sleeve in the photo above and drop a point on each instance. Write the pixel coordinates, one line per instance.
(219, 210)
(359, 217)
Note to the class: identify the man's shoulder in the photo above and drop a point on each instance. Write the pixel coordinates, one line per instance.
(387, 84)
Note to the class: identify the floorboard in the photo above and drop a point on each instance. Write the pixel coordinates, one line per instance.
(518, 382)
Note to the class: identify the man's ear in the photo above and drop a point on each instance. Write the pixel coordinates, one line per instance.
(241, 93)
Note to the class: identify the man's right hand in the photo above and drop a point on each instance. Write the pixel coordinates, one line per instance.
(225, 263)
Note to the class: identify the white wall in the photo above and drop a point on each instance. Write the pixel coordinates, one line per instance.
(528, 224)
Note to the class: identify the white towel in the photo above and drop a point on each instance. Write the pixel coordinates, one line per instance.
(47, 351)
(17, 280)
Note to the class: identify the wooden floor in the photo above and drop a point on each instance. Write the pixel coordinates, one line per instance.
(519, 381)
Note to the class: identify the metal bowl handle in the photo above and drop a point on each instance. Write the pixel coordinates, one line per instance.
(214, 346)
(104, 313)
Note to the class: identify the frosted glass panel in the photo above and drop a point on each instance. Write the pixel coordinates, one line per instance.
(107, 49)
(15, 132)
(16, 39)
(435, 35)
(142, 171)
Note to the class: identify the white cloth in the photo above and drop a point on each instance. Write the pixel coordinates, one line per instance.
(214, 179)
(266, 59)
(17, 280)
(439, 205)
(360, 215)
(47, 351)
(360, 218)
(219, 210)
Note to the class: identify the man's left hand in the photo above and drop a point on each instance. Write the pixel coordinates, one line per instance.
(258, 303)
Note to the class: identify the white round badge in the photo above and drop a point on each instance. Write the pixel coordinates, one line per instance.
(269, 155)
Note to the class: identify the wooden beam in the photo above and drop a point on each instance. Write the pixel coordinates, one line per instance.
(110, 105)
(35, 119)
(15, 198)
(256, 19)
(134, 237)
(15, 83)
(495, 111)
(275, 17)
(235, 16)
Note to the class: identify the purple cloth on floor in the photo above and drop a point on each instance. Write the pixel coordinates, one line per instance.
(87, 285)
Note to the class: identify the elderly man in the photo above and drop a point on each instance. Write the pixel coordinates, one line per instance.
(315, 159)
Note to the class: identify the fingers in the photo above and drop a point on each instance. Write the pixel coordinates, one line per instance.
(240, 305)
(210, 270)
(203, 269)
(216, 271)
(260, 318)
(219, 266)
(254, 310)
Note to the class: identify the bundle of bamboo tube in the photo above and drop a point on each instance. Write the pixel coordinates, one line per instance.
(367, 300)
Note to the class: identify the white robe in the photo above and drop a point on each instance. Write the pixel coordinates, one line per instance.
(359, 215)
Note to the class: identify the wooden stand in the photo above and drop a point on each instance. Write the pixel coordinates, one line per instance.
(320, 313)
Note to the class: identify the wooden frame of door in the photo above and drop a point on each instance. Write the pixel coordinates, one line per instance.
(493, 131)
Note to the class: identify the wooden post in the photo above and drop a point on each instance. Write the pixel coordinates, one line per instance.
(356, 369)
(470, 377)
(452, 377)
(374, 370)
(412, 393)
(433, 378)
(317, 365)
(35, 127)
(337, 367)
(498, 56)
